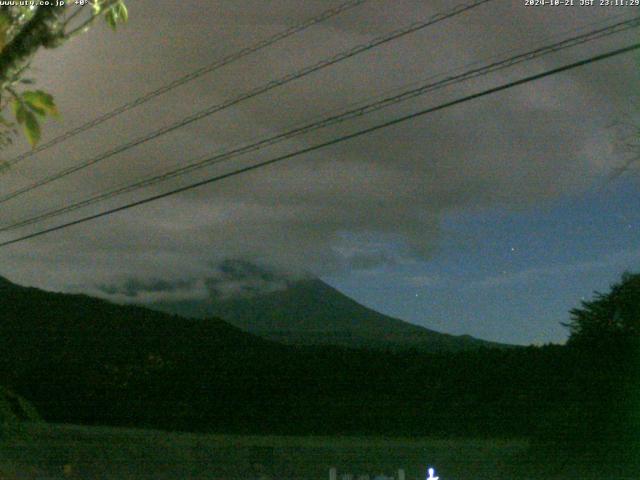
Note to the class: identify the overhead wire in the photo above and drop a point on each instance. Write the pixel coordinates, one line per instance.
(331, 142)
(396, 34)
(422, 89)
(228, 59)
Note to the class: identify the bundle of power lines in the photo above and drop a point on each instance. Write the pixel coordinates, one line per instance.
(432, 84)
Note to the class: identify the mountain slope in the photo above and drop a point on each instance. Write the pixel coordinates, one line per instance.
(82, 360)
(310, 312)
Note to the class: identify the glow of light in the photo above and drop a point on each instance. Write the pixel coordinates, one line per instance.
(431, 477)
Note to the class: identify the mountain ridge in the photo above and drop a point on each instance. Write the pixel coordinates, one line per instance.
(309, 312)
(79, 359)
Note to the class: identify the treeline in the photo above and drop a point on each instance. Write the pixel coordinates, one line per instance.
(82, 360)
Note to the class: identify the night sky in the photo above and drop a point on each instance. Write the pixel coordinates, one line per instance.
(492, 218)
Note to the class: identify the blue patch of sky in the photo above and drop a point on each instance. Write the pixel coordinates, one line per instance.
(512, 275)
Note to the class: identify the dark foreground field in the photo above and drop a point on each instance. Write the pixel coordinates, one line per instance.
(64, 451)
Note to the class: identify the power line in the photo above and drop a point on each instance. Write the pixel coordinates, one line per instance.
(330, 142)
(248, 95)
(332, 120)
(327, 14)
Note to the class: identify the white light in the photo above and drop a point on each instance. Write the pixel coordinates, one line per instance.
(431, 477)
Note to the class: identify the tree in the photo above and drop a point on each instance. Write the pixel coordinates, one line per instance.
(23, 31)
(597, 420)
(613, 317)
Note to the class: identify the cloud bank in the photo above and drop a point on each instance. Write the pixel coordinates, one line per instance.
(375, 200)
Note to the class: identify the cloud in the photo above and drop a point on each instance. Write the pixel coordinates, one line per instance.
(138, 292)
(388, 190)
(227, 279)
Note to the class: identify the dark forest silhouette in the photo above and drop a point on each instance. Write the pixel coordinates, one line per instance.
(84, 360)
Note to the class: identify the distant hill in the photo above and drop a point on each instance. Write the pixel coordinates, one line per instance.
(56, 323)
(310, 312)
(82, 359)
(78, 359)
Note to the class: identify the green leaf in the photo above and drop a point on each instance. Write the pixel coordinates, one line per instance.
(19, 110)
(41, 102)
(32, 128)
(110, 18)
(124, 12)
(118, 13)
(97, 7)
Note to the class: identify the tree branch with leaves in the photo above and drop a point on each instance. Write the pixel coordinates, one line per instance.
(23, 32)
(609, 317)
